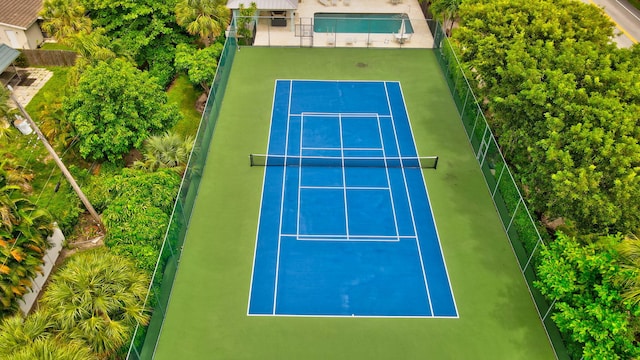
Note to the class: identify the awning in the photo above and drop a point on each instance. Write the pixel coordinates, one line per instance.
(7, 56)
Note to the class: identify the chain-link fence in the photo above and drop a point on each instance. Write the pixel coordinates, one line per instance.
(145, 338)
(520, 227)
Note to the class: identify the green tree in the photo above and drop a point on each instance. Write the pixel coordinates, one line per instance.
(562, 103)
(137, 205)
(115, 108)
(64, 18)
(53, 121)
(205, 18)
(448, 9)
(24, 229)
(97, 298)
(142, 30)
(166, 151)
(246, 21)
(581, 280)
(6, 114)
(199, 64)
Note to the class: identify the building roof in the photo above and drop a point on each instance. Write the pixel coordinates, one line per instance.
(265, 4)
(7, 55)
(19, 13)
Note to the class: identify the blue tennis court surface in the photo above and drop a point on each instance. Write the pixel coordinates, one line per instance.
(346, 240)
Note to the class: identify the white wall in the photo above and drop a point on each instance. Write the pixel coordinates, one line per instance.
(26, 39)
(50, 257)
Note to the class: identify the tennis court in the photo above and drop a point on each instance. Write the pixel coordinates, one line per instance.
(217, 308)
(345, 225)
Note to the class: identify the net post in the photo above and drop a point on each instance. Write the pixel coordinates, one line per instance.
(251, 160)
(435, 164)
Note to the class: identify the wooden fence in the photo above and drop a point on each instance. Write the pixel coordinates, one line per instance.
(49, 57)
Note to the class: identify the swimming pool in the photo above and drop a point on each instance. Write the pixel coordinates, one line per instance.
(361, 23)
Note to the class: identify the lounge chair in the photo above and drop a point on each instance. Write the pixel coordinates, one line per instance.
(325, 2)
(402, 38)
(346, 2)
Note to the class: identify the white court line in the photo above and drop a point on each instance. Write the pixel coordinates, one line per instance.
(433, 218)
(406, 187)
(352, 240)
(347, 187)
(336, 149)
(340, 236)
(386, 168)
(299, 178)
(629, 11)
(284, 178)
(360, 316)
(334, 114)
(264, 177)
(344, 178)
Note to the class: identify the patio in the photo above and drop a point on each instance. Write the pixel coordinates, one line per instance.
(300, 32)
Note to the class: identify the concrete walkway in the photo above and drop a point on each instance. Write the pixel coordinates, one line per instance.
(24, 93)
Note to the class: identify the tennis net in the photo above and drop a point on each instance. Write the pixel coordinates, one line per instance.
(425, 162)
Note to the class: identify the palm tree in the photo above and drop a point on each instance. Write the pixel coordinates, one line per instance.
(98, 298)
(53, 122)
(50, 348)
(17, 332)
(63, 18)
(166, 151)
(206, 18)
(629, 250)
(449, 11)
(16, 174)
(33, 337)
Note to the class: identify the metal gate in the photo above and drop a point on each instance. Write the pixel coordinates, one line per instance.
(304, 30)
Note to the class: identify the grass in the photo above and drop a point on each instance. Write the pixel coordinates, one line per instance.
(207, 315)
(31, 153)
(182, 94)
(57, 82)
(55, 46)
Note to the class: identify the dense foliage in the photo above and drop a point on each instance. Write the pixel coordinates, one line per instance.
(24, 229)
(199, 64)
(145, 30)
(115, 108)
(581, 279)
(136, 208)
(87, 312)
(563, 104)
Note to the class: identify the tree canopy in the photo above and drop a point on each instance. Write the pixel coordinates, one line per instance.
(563, 103)
(115, 108)
(580, 278)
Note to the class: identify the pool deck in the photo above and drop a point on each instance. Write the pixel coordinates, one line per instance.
(268, 35)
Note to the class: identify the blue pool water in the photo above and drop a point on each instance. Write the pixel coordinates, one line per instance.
(361, 23)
